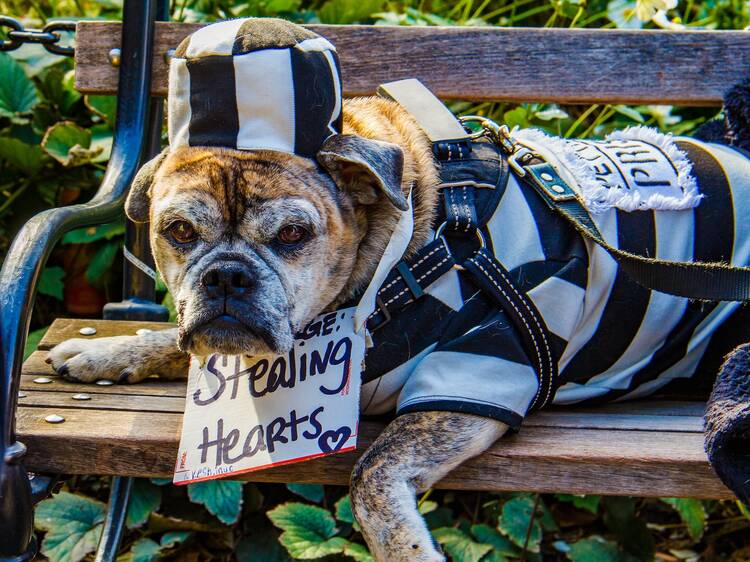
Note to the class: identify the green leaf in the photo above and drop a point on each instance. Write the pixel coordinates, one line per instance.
(69, 144)
(551, 113)
(515, 519)
(629, 112)
(173, 538)
(692, 513)
(261, 546)
(311, 492)
(348, 11)
(101, 261)
(494, 556)
(427, 506)
(26, 157)
(308, 530)
(103, 106)
(222, 498)
(517, 117)
(589, 503)
(594, 549)
(101, 142)
(144, 550)
(73, 525)
(94, 233)
(459, 545)
(358, 551)
(17, 92)
(32, 341)
(344, 512)
(51, 282)
(145, 498)
(488, 535)
(632, 532)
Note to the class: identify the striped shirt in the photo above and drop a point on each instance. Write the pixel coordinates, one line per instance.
(612, 338)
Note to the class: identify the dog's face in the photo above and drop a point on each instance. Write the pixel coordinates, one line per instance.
(254, 244)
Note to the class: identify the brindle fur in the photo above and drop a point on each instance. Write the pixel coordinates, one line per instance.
(236, 199)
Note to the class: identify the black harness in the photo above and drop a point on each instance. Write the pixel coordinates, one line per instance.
(473, 175)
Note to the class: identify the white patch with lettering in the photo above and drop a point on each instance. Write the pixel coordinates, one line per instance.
(637, 169)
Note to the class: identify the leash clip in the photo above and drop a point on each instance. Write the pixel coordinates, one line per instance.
(518, 154)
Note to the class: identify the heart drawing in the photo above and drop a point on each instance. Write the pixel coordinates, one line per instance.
(332, 440)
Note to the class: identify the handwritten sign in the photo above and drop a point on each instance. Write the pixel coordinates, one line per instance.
(248, 413)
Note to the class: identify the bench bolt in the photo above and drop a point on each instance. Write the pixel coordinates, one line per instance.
(104, 382)
(43, 380)
(87, 331)
(81, 396)
(114, 57)
(54, 418)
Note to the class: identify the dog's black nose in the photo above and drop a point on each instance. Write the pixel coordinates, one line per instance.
(225, 280)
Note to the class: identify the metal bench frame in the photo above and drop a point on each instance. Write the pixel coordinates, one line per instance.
(137, 137)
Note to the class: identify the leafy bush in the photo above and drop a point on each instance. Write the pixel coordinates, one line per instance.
(54, 145)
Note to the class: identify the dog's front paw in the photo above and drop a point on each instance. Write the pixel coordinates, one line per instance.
(89, 360)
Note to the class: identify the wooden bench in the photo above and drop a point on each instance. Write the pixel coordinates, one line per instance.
(652, 448)
(644, 448)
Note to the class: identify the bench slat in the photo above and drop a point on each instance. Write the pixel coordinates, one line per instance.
(638, 448)
(540, 459)
(65, 328)
(491, 64)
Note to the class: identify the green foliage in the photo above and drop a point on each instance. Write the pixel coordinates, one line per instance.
(51, 282)
(145, 498)
(17, 93)
(594, 549)
(520, 523)
(459, 546)
(222, 498)
(309, 531)
(311, 492)
(692, 513)
(73, 524)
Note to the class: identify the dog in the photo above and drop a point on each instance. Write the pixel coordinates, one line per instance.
(241, 236)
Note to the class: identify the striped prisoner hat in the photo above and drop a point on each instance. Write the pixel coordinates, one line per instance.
(254, 83)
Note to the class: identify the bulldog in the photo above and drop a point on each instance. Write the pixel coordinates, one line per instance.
(254, 240)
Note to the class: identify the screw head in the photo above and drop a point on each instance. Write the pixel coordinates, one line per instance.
(546, 177)
(557, 188)
(114, 57)
(22, 395)
(43, 380)
(54, 418)
(81, 396)
(87, 331)
(104, 382)
(143, 331)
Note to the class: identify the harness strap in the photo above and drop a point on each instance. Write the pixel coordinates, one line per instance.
(497, 282)
(407, 281)
(694, 280)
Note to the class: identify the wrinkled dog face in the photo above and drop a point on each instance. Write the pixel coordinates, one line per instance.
(252, 245)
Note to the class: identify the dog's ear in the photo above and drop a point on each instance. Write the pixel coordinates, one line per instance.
(139, 199)
(365, 168)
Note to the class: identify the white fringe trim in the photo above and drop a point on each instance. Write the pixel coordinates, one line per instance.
(599, 198)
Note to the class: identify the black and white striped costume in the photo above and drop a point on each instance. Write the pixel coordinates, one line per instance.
(613, 339)
(256, 84)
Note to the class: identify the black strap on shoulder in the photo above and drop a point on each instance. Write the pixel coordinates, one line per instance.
(694, 280)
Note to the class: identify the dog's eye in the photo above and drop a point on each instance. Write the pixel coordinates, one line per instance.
(182, 232)
(291, 234)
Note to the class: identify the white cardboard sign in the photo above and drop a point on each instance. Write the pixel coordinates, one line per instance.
(249, 413)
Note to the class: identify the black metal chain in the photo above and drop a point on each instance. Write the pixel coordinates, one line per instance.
(49, 37)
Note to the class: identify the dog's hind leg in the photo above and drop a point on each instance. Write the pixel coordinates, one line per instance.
(413, 452)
